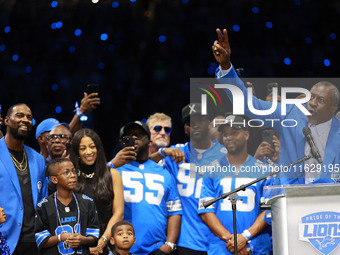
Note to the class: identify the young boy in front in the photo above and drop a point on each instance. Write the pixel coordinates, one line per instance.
(122, 237)
(66, 223)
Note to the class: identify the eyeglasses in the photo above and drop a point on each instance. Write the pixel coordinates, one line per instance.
(159, 129)
(69, 173)
(63, 138)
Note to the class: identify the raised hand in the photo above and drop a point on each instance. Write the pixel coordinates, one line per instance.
(221, 49)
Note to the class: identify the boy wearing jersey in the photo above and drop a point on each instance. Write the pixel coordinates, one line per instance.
(66, 223)
(200, 151)
(219, 217)
(152, 203)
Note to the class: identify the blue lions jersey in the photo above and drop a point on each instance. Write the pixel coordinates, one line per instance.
(189, 179)
(150, 196)
(247, 207)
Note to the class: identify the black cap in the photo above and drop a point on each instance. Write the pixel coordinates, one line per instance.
(235, 121)
(191, 110)
(130, 125)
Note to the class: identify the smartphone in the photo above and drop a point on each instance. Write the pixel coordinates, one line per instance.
(128, 141)
(267, 136)
(270, 87)
(92, 88)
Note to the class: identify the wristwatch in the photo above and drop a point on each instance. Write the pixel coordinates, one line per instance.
(173, 246)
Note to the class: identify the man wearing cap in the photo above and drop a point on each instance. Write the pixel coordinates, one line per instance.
(59, 141)
(200, 151)
(324, 126)
(42, 132)
(235, 169)
(152, 203)
(23, 183)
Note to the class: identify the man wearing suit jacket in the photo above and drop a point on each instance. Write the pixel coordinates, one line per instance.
(324, 126)
(23, 182)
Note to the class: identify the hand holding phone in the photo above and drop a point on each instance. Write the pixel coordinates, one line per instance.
(92, 88)
(267, 136)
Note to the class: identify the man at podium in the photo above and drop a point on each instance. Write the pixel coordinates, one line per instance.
(324, 126)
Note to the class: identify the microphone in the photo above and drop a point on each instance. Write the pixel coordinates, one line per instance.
(308, 135)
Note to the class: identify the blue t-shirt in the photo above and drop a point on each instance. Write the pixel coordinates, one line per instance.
(150, 196)
(247, 207)
(194, 232)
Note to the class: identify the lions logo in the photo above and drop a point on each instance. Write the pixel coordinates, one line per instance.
(321, 229)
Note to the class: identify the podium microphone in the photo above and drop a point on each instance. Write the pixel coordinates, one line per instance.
(308, 135)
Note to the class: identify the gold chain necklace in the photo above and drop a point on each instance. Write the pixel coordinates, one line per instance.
(19, 165)
(88, 176)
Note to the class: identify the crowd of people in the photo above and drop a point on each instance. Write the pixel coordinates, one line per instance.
(70, 199)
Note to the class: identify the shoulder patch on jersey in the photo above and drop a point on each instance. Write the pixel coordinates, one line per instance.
(44, 200)
(224, 150)
(180, 145)
(86, 197)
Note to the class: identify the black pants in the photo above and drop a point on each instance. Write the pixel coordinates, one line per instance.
(186, 251)
(158, 252)
(26, 248)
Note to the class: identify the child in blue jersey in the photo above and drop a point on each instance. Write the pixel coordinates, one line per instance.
(152, 203)
(122, 237)
(201, 151)
(66, 223)
(252, 235)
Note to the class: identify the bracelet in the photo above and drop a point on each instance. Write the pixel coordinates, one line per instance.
(111, 165)
(161, 152)
(81, 115)
(59, 238)
(105, 240)
(246, 234)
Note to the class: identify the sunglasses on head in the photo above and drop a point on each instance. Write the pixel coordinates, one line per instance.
(159, 129)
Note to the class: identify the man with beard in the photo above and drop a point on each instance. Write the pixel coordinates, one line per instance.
(219, 217)
(152, 203)
(324, 126)
(59, 141)
(23, 182)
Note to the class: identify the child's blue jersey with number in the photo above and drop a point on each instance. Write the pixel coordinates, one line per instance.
(194, 233)
(247, 206)
(150, 196)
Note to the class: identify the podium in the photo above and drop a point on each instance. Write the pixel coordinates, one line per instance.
(305, 218)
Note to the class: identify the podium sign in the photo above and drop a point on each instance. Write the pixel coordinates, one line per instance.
(305, 218)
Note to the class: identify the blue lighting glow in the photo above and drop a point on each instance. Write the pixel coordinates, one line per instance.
(185, 1)
(162, 38)
(33, 122)
(101, 65)
(54, 87)
(326, 62)
(115, 4)
(211, 71)
(58, 109)
(255, 9)
(297, 2)
(7, 29)
(132, 1)
(213, 65)
(54, 4)
(269, 25)
(103, 37)
(59, 24)
(236, 28)
(72, 49)
(28, 69)
(308, 40)
(15, 57)
(333, 36)
(77, 32)
(53, 25)
(2, 47)
(287, 61)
